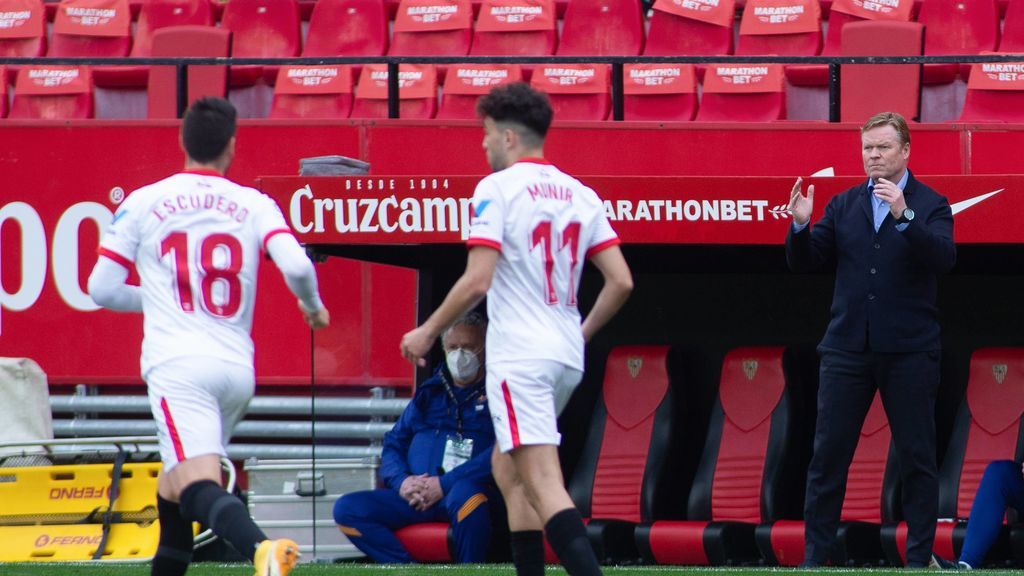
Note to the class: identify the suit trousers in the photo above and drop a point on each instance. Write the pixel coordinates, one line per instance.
(908, 384)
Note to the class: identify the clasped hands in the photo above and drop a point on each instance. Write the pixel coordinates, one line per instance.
(422, 491)
(800, 205)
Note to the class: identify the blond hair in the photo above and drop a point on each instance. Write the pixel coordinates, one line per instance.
(889, 119)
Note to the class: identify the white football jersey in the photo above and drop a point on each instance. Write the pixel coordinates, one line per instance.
(546, 224)
(196, 239)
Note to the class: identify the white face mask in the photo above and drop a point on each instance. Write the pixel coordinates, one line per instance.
(463, 364)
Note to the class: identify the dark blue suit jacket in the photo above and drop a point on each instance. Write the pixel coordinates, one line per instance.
(886, 282)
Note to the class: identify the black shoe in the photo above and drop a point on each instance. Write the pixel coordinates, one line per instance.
(940, 563)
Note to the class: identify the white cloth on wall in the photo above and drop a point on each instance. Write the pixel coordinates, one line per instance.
(24, 405)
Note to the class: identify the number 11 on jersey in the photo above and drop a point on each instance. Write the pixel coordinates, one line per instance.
(568, 240)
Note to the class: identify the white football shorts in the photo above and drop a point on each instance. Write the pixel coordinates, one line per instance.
(525, 398)
(196, 404)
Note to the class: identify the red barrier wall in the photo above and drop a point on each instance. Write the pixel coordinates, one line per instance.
(57, 179)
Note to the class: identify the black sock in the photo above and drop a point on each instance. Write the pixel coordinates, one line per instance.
(528, 552)
(174, 552)
(568, 538)
(209, 504)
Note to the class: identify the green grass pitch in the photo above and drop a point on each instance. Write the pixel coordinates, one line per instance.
(350, 569)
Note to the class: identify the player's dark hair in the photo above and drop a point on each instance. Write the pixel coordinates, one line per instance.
(207, 128)
(520, 104)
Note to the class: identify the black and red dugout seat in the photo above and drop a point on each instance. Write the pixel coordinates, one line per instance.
(869, 501)
(987, 427)
(616, 479)
(626, 451)
(741, 478)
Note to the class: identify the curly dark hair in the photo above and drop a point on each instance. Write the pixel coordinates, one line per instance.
(520, 104)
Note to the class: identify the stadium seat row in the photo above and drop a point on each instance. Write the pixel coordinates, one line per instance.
(272, 28)
(744, 498)
(652, 92)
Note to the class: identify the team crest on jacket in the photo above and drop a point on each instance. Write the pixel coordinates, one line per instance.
(634, 364)
(999, 371)
(750, 368)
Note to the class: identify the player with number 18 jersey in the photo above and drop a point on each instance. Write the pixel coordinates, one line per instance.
(196, 239)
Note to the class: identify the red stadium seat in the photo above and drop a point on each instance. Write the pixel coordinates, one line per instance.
(466, 83)
(92, 29)
(53, 93)
(417, 92)
(743, 93)
(154, 15)
(1012, 39)
(312, 92)
(576, 91)
(676, 29)
(23, 33)
(626, 450)
(347, 28)
(987, 428)
(869, 501)
(956, 27)
(207, 41)
(844, 12)
(428, 542)
(995, 93)
(432, 28)
(515, 28)
(261, 29)
(790, 30)
(660, 92)
(740, 480)
(602, 28)
(859, 94)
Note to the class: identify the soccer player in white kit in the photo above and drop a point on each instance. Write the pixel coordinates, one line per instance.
(196, 239)
(531, 229)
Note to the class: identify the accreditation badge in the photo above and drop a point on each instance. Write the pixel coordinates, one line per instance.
(457, 450)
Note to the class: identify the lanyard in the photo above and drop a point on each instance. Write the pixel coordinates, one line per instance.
(458, 406)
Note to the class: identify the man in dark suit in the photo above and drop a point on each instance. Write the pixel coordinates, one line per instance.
(887, 240)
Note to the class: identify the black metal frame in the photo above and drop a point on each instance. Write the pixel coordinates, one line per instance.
(834, 64)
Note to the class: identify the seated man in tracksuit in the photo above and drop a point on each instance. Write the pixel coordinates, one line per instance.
(436, 461)
(1001, 487)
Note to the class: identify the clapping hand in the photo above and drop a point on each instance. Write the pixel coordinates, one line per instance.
(800, 206)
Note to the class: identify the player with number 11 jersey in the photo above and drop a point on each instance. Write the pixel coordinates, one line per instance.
(546, 224)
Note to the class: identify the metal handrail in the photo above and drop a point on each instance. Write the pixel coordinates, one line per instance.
(260, 405)
(617, 62)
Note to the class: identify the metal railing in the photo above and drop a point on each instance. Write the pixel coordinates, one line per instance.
(79, 417)
(617, 63)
